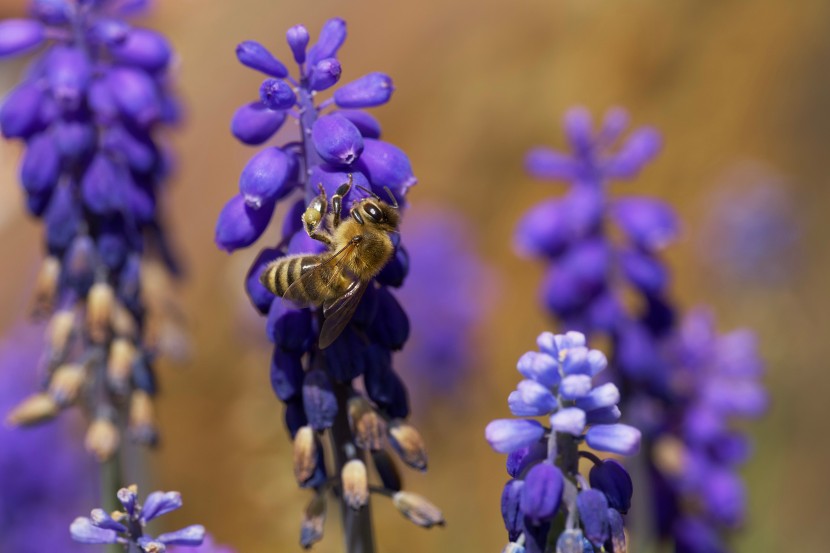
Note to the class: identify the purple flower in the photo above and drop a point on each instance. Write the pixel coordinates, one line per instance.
(127, 526)
(89, 110)
(544, 461)
(336, 161)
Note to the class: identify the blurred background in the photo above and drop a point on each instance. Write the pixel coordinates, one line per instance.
(740, 90)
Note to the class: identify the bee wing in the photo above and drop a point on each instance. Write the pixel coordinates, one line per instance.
(338, 312)
(327, 271)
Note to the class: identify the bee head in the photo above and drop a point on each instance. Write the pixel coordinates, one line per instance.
(375, 211)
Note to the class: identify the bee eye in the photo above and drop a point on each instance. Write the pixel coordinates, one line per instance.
(373, 212)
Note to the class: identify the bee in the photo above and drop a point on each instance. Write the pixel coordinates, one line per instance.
(359, 246)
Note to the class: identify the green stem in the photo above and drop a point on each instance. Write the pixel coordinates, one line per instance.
(111, 482)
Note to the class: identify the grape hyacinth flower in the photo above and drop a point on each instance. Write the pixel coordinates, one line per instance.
(543, 460)
(127, 526)
(89, 110)
(683, 409)
(338, 142)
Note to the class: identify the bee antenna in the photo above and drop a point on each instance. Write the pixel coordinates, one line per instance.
(394, 202)
(375, 196)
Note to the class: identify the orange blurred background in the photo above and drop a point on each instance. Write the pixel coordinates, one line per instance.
(478, 84)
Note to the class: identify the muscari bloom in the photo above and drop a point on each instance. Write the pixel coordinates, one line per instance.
(89, 110)
(338, 142)
(128, 525)
(543, 458)
(45, 475)
(683, 398)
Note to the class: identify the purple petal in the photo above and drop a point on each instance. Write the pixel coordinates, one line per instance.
(579, 129)
(531, 399)
(510, 512)
(649, 223)
(239, 225)
(318, 399)
(256, 56)
(371, 90)
(264, 179)
(75, 139)
(593, 510)
(337, 140)
(542, 492)
(142, 48)
(642, 146)
(325, 74)
(540, 367)
(286, 374)
(570, 420)
(614, 438)
(386, 165)
(83, 530)
(191, 535)
(254, 123)
(103, 185)
(297, 38)
(20, 113)
(63, 217)
(260, 296)
(606, 395)
(606, 415)
(644, 271)
(544, 230)
(128, 498)
(276, 94)
(289, 329)
(160, 503)
(69, 72)
(102, 519)
(506, 435)
(20, 35)
(368, 126)
(611, 478)
(545, 163)
(519, 460)
(135, 95)
(41, 165)
(575, 386)
(332, 36)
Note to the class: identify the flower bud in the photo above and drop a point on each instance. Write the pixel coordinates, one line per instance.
(265, 178)
(123, 322)
(286, 373)
(649, 223)
(305, 454)
(386, 469)
(59, 332)
(103, 519)
(83, 530)
(288, 328)
(409, 444)
(135, 94)
(142, 418)
(276, 94)
(336, 139)
(371, 90)
(20, 35)
(66, 382)
(20, 111)
(328, 43)
(611, 478)
(605, 395)
(256, 56)
(102, 438)
(390, 326)
(571, 541)
(355, 484)
(614, 438)
(570, 420)
(119, 365)
(367, 426)
(617, 530)
(507, 435)
(41, 165)
(297, 38)
(542, 492)
(239, 225)
(324, 74)
(253, 123)
(318, 400)
(69, 72)
(366, 123)
(46, 285)
(593, 510)
(143, 48)
(32, 410)
(510, 511)
(99, 311)
(102, 186)
(418, 510)
(386, 165)
(314, 519)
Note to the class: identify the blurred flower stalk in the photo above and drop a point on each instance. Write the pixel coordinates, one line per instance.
(90, 109)
(338, 156)
(684, 385)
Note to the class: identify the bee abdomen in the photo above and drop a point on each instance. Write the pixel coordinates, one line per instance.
(284, 272)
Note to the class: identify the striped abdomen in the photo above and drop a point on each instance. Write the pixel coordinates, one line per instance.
(314, 286)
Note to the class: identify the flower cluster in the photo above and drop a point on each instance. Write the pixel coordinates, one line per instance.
(335, 146)
(127, 526)
(682, 407)
(88, 110)
(543, 461)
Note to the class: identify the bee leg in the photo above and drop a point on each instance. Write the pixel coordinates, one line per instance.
(314, 215)
(337, 200)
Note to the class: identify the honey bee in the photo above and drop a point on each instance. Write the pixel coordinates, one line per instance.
(359, 246)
